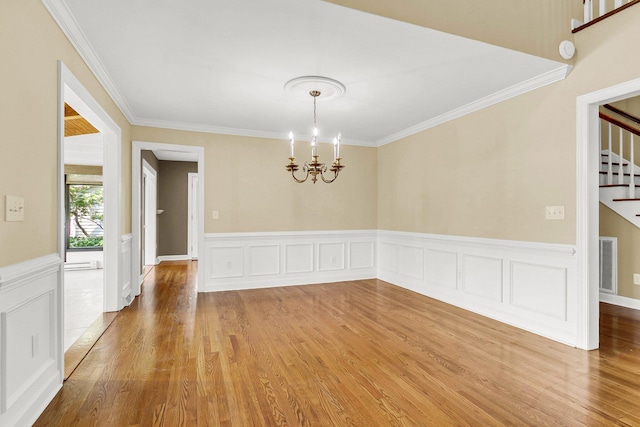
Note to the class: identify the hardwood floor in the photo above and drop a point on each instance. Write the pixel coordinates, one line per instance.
(361, 353)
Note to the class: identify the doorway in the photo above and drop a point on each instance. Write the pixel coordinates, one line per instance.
(587, 206)
(73, 93)
(167, 152)
(84, 228)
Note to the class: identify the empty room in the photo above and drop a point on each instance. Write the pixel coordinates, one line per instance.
(321, 212)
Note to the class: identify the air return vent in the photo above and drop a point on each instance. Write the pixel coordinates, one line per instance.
(609, 265)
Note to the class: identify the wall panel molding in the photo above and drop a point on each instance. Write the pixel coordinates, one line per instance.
(30, 338)
(526, 284)
(261, 260)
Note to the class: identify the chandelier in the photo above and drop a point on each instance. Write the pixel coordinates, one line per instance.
(315, 168)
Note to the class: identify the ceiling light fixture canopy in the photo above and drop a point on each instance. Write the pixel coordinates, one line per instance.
(333, 89)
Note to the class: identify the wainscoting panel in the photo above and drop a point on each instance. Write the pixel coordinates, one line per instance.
(411, 261)
(225, 262)
(30, 338)
(125, 269)
(299, 258)
(529, 285)
(482, 276)
(361, 255)
(442, 268)
(287, 258)
(331, 256)
(539, 288)
(264, 260)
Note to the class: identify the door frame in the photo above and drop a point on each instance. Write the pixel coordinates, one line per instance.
(147, 237)
(587, 205)
(136, 147)
(192, 198)
(71, 91)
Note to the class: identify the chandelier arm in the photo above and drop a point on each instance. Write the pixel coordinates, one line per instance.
(335, 175)
(304, 169)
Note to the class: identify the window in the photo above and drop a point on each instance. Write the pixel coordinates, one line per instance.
(85, 212)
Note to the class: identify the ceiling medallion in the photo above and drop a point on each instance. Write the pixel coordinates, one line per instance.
(318, 88)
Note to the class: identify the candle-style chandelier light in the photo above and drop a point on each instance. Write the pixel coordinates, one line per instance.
(315, 168)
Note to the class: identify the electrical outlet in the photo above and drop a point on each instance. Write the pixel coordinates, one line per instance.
(554, 212)
(215, 214)
(14, 208)
(636, 279)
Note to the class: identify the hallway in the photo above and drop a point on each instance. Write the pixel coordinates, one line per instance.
(349, 353)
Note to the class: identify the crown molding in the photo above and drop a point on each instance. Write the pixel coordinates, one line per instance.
(539, 81)
(164, 124)
(69, 26)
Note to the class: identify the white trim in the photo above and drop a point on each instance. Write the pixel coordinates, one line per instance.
(587, 201)
(136, 147)
(166, 124)
(235, 261)
(518, 89)
(191, 197)
(65, 20)
(125, 268)
(150, 212)
(479, 242)
(172, 258)
(620, 300)
(15, 275)
(529, 285)
(23, 286)
(72, 91)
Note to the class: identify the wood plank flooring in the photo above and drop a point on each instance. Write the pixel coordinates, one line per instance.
(362, 353)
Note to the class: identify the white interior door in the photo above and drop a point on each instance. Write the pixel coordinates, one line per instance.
(193, 216)
(149, 214)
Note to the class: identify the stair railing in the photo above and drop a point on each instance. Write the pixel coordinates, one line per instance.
(603, 7)
(625, 133)
(597, 10)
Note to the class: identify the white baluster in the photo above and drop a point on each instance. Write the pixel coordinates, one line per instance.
(610, 165)
(617, 3)
(588, 10)
(602, 7)
(620, 161)
(632, 183)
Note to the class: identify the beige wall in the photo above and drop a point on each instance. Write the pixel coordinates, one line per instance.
(173, 198)
(246, 181)
(491, 173)
(613, 225)
(534, 27)
(30, 46)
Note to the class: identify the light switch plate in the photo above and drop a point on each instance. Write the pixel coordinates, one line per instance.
(14, 208)
(554, 212)
(636, 279)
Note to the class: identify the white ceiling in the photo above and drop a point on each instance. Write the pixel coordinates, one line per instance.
(221, 66)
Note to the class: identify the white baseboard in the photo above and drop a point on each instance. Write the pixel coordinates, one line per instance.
(529, 285)
(30, 298)
(620, 300)
(257, 260)
(172, 258)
